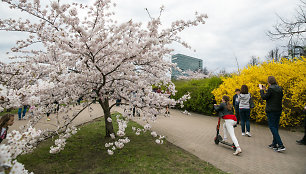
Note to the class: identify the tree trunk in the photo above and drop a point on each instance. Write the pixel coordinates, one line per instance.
(108, 125)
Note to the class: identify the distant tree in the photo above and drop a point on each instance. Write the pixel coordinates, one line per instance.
(236, 59)
(205, 71)
(274, 54)
(293, 29)
(296, 51)
(254, 61)
(222, 72)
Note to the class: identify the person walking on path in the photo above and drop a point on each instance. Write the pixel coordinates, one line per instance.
(23, 112)
(236, 104)
(273, 97)
(167, 107)
(31, 111)
(244, 110)
(225, 110)
(303, 140)
(5, 121)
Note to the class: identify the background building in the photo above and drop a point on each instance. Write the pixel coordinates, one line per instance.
(185, 63)
(297, 51)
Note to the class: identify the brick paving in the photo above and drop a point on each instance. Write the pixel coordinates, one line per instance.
(195, 133)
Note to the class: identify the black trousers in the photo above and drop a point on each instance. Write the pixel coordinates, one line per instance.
(237, 114)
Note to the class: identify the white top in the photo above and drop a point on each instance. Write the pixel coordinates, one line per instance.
(244, 101)
(2, 131)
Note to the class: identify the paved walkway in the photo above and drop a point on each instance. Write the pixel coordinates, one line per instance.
(195, 133)
(86, 116)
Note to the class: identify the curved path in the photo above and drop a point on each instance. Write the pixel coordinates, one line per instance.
(195, 133)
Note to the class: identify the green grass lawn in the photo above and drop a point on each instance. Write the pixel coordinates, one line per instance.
(13, 111)
(85, 153)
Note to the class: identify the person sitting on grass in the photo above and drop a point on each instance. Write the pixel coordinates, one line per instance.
(225, 110)
(5, 121)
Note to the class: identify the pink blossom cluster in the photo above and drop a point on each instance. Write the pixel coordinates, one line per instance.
(183, 99)
(118, 144)
(186, 112)
(188, 75)
(61, 141)
(18, 143)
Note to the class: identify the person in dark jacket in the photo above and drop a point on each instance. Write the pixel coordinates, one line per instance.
(303, 140)
(236, 104)
(225, 110)
(273, 97)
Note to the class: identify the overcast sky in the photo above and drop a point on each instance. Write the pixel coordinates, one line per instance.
(233, 28)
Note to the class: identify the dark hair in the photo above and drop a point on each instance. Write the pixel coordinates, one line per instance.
(4, 119)
(272, 80)
(244, 89)
(237, 90)
(228, 105)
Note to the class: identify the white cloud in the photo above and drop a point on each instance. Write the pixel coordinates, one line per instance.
(234, 28)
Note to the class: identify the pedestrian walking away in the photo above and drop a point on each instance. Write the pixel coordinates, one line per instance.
(244, 110)
(31, 111)
(24, 107)
(273, 97)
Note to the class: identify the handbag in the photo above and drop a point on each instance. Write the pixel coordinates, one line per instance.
(252, 105)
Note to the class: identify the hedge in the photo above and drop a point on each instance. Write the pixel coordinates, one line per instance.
(289, 74)
(202, 99)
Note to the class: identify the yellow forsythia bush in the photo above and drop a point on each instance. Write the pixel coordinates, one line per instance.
(289, 74)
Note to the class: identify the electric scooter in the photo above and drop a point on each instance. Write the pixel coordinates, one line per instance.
(218, 139)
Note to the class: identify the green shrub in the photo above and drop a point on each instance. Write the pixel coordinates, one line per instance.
(290, 75)
(202, 99)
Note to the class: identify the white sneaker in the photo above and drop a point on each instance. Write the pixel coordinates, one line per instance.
(237, 151)
(243, 134)
(248, 134)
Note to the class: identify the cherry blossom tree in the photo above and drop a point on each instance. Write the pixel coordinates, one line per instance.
(188, 75)
(107, 60)
(75, 50)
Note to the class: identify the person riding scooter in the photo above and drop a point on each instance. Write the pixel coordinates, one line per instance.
(225, 110)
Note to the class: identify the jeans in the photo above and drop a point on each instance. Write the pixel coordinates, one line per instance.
(245, 119)
(304, 138)
(23, 113)
(237, 114)
(118, 101)
(273, 121)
